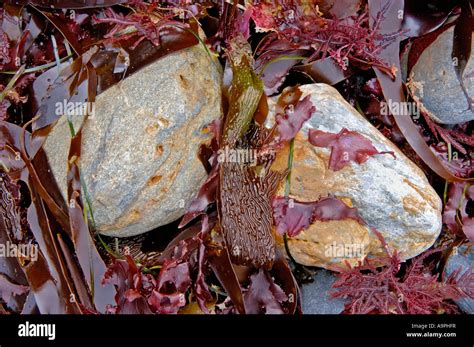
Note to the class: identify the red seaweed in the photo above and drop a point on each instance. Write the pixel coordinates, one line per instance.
(346, 146)
(381, 286)
(292, 217)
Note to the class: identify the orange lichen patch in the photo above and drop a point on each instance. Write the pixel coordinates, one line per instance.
(154, 180)
(134, 215)
(331, 242)
(346, 200)
(430, 198)
(413, 205)
(417, 240)
(163, 122)
(310, 175)
(159, 150)
(151, 129)
(173, 174)
(150, 203)
(184, 82)
(127, 219)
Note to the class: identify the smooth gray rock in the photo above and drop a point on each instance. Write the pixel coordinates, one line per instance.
(440, 91)
(316, 295)
(464, 259)
(139, 154)
(391, 194)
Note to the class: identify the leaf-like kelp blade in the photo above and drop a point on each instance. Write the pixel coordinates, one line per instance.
(9, 289)
(68, 4)
(75, 84)
(420, 44)
(244, 94)
(274, 65)
(63, 28)
(455, 214)
(172, 39)
(48, 276)
(244, 201)
(18, 146)
(283, 275)
(423, 17)
(325, 71)
(245, 214)
(92, 265)
(462, 42)
(206, 195)
(219, 259)
(393, 88)
(10, 224)
(51, 262)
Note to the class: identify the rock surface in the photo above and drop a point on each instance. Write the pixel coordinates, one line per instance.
(464, 259)
(139, 153)
(441, 93)
(316, 295)
(391, 195)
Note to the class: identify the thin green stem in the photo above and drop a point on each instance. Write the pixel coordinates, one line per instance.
(151, 269)
(88, 206)
(12, 82)
(446, 184)
(287, 193)
(37, 68)
(290, 166)
(196, 35)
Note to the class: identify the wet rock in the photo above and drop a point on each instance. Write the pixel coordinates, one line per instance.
(462, 259)
(436, 83)
(139, 157)
(391, 195)
(316, 298)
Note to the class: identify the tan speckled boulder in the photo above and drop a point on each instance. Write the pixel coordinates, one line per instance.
(139, 157)
(391, 195)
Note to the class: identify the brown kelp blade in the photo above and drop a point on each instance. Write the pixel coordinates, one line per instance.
(92, 265)
(67, 4)
(244, 93)
(55, 268)
(246, 214)
(220, 262)
(244, 196)
(394, 93)
(9, 223)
